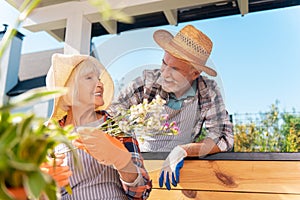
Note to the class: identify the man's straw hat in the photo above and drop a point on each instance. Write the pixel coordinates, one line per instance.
(60, 72)
(189, 44)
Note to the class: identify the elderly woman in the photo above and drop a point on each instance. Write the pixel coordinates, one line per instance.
(110, 168)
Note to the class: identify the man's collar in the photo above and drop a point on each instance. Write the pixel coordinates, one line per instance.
(189, 93)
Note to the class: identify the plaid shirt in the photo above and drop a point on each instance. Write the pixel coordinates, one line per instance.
(106, 184)
(211, 108)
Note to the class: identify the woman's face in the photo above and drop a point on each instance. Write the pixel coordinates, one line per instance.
(90, 89)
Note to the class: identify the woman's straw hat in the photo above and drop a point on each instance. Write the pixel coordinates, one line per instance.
(60, 72)
(189, 44)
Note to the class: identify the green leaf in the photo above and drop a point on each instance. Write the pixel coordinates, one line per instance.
(5, 123)
(25, 125)
(68, 189)
(107, 13)
(33, 96)
(3, 190)
(28, 9)
(51, 191)
(9, 138)
(24, 5)
(9, 34)
(22, 165)
(3, 161)
(34, 184)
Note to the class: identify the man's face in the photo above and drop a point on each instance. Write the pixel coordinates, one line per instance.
(177, 75)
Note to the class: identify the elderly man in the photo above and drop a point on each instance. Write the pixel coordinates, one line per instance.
(191, 101)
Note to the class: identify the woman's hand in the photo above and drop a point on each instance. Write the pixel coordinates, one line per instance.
(104, 148)
(58, 172)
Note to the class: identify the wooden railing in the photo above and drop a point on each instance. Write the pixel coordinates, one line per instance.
(231, 176)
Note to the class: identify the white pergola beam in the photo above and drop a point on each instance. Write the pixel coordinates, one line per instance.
(171, 16)
(161, 5)
(110, 26)
(58, 34)
(78, 35)
(50, 17)
(78, 16)
(243, 6)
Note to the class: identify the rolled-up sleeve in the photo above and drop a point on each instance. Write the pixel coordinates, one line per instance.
(141, 188)
(217, 121)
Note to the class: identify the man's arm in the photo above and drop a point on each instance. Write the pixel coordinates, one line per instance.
(217, 122)
(202, 148)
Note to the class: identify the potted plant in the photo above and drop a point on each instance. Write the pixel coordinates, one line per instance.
(25, 143)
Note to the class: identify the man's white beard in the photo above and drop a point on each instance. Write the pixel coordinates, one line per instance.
(176, 87)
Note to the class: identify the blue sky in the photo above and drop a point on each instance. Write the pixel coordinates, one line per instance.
(257, 56)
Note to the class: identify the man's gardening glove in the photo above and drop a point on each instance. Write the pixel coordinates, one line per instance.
(171, 167)
(105, 149)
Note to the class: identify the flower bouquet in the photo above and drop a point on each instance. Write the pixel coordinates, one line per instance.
(146, 119)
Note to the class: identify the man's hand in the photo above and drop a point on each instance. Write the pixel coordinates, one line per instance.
(171, 167)
(104, 148)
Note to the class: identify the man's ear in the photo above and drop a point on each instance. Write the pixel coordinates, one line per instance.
(195, 74)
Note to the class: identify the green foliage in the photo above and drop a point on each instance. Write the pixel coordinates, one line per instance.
(25, 9)
(25, 142)
(108, 13)
(202, 135)
(271, 132)
(291, 131)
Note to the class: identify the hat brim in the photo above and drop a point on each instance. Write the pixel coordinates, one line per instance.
(163, 38)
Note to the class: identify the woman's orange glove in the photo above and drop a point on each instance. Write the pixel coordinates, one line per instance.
(104, 148)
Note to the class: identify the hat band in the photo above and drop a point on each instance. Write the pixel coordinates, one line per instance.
(201, 60)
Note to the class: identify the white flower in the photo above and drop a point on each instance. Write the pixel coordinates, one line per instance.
(124, 126)
(141, 119)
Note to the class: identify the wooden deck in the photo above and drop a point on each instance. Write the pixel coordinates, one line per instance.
(231, 176)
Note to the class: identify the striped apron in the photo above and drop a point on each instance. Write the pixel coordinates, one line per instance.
(186, 119)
